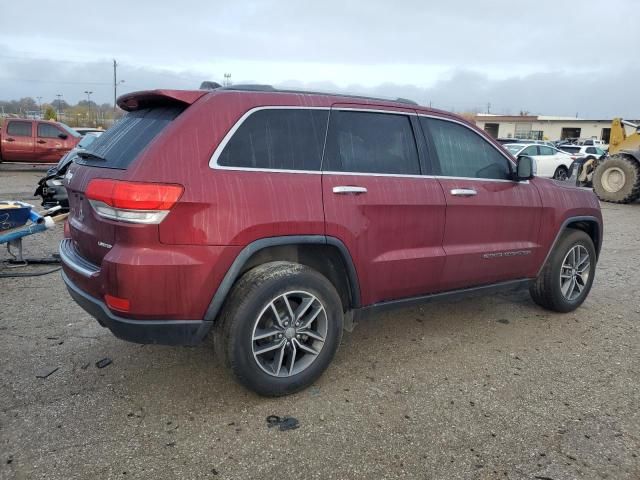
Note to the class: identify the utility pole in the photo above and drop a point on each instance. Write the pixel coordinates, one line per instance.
(39, 105)
(59, 95)
(88, 103)
(488, 107)
(227, 79)
(115, 85)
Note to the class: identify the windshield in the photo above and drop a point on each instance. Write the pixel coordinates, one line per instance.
(69, 130)
(513, 148)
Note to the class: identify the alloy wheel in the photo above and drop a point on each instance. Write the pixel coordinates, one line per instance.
(289, 333)
(574, 273)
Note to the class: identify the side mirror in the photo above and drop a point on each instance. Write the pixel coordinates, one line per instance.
(525, 168)
(63, 136)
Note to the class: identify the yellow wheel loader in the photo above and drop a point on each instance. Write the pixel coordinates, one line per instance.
(616, 178)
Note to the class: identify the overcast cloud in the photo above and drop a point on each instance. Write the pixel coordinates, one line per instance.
(548, 57)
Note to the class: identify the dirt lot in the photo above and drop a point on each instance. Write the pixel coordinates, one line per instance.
(477, 389)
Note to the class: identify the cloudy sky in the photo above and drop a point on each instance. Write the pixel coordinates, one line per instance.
(554, 57)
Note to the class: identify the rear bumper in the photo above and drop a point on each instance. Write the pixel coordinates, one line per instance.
(161, 332)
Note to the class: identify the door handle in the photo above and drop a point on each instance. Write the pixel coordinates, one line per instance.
(41, 141)
(10, 140)
(344, 190)
(463, 192)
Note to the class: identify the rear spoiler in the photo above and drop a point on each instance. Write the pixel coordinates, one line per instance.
(151, 98)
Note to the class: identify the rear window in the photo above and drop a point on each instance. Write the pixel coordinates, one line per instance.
(570, 149)
(123, 142)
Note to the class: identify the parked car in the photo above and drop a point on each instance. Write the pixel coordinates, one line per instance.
(550, 162)
(594, 142)
(51, 187)
(584, 151)
(36, 141)
(84, 130)
(271, 220)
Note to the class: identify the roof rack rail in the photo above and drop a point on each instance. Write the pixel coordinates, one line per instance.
(271, 88)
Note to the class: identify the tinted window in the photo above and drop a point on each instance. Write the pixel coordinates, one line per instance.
(591, 150)
(48, 131)
(570, 149)
(544, 150)
(19, 129)
(530, 150)
(278, 139)
(122, 143)
(371, 143)
(463, 153)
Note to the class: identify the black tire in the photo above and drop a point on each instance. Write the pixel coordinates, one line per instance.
(629, 191)
(546, 289)
(251, 295)
(561, 173)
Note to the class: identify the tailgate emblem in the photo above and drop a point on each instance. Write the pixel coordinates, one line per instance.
(105, 245)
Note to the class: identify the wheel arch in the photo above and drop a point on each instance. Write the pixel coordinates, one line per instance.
(588, 224)
(326, 254)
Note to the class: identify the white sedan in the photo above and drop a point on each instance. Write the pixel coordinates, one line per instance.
(550, 162)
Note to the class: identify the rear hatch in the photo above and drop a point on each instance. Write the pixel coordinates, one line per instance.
(109, 157)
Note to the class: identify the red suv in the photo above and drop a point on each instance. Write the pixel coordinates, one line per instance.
(271, 220)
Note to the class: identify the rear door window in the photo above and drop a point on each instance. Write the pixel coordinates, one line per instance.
(369, 142)
(464, 153)
(19, 129)
(544, 150)
(122, 143)
(278, 139)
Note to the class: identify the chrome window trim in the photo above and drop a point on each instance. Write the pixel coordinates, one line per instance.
(213, 162)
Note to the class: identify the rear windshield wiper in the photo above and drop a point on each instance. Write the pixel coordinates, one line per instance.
(90, 155)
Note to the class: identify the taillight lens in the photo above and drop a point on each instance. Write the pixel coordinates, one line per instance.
(133, 202)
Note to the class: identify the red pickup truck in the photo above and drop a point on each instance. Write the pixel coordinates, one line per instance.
(37, 141)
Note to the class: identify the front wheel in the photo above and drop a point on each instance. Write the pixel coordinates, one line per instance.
(567, 276)
(280, 328)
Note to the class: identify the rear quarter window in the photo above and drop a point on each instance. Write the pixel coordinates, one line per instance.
(278, 139)
(123, 142)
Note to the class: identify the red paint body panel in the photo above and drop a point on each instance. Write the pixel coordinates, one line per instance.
(407, 236)
(393, 232)
(34, 149)
(503, 217)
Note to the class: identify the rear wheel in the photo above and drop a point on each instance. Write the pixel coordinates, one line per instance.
(561, 173)
(617, 179)
(566, 278)
(280, 328)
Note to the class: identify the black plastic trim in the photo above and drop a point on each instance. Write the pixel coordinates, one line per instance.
(586, 218)
(511, 285)
(236, 267)
(161, 332)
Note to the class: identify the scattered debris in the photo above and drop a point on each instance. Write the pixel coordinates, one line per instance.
(45, 372)
(283, 423)
(171, 444)
(214, 471)
(104, 362)
(85, 366)
(504, 321)
(10, 460)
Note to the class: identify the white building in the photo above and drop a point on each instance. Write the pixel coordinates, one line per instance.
(543, 127)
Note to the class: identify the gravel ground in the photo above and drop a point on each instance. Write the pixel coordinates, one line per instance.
(482, 388)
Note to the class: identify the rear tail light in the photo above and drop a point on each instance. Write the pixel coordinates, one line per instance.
(132, 202)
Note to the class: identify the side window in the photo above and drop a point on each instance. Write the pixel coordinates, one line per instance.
(48, 131)
(591, 150)
(278, 139)
(464, 153)
(19, 129)
(544, 150)
(530, 150)
(371, 142)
